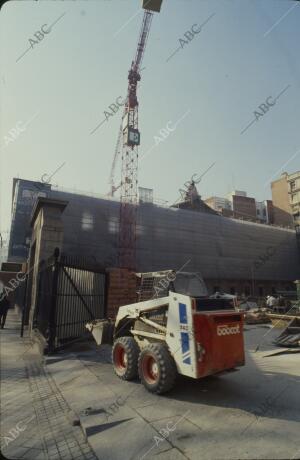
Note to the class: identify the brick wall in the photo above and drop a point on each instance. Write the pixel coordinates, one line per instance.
(121, 290)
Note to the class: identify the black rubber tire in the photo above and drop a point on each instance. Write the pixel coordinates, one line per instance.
(167, 371)
(131, 348)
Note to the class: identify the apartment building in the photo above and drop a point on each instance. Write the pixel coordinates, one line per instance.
(243, 207)
(218, 203)
(294, 193)
(286, 199)
(238, 205)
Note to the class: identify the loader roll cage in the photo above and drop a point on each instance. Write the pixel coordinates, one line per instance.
(153, 285)
(158, 284)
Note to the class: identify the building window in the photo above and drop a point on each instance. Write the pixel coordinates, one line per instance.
(258, 212)
(87, 221)
(113, 225)
(293, 185)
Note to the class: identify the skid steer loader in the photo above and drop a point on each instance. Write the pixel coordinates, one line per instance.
(183, 332)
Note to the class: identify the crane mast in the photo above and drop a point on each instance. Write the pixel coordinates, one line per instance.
(113, 188)
(130, 142)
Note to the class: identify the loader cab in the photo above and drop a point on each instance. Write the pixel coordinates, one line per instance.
(159, 284)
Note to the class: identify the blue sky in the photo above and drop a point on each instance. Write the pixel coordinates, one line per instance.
(247, 51)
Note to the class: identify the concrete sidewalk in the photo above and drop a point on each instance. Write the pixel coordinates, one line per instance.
(108, 408)
(36, 422)
(253, 413)
(250, 414)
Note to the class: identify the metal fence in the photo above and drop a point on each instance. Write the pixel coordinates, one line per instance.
(71, 291)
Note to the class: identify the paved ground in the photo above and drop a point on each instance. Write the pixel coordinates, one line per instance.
(253, 413)
(250, 414)
(36, 422)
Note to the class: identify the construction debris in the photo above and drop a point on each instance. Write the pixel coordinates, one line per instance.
(290, 337)
(257, 316)
(285, 351)
(281, 321)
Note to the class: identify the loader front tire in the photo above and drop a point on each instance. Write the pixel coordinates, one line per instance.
(125, 354)
(157, 369)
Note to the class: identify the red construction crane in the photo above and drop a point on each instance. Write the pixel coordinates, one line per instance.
(128, 142)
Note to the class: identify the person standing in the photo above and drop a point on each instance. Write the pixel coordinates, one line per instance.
(4, 306)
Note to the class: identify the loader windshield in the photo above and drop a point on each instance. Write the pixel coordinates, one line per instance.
(190, 284)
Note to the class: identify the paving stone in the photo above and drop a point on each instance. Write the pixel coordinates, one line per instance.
(28, 391)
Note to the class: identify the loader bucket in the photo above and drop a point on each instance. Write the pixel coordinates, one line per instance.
(102, 331)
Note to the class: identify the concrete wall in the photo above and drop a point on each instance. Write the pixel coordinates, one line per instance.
(252, 287)
(47, 234)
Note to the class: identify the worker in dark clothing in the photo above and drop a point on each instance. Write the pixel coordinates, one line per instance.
(4, 306)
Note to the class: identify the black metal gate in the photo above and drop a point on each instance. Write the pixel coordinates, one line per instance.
(71, 292)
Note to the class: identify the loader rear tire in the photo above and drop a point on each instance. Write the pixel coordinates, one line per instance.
(157, 368)
(125, 354)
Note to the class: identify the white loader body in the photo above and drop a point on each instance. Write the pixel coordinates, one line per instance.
(178, 333)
